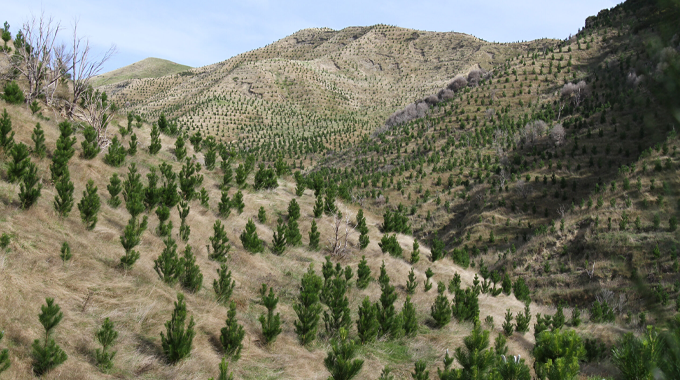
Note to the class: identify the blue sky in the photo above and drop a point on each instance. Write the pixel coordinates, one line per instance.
(201, 32)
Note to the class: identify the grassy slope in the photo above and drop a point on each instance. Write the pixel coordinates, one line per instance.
(146, 68)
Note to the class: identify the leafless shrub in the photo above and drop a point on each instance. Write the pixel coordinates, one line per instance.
(457, 83)
(432, 100)
(474, 76)
(562, 210)
(490, 113)
(522, 188)
(575, 92)
(341, 231)
(633, 79)
(617, 303)
(502, 178)
(558, 134)
(533, 130)
(445, 94)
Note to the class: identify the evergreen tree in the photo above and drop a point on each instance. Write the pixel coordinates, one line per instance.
(196, 140)
(475, 359)
(420, 373)
(508, 327)
(210, 157)
(387, 316)
(168, 265)
(335, 297)
(412, 283)
(65, 252)
(4, 356)
(163, 124)
(184, 228)
(318, 207)
(241, 175)
(6, 133)
(500, 346)
(279, 239)
(409, 317)
(48, 355)
(18, 166)
(262, 215)
(428, 274)
(224, 207)
(227, 176)
(293, 235)
(64, 150)
(308, 307)
(152, 194)
(106, 336)
(176, 342)
(132, 146)
(114, 189)
(155, 145)
(180, 148)
(466, 304)
(224, 371)
(63, 201)
(204, 198)
(130, 239)
(29, 189)
(89, 205)
(223, 285)
(265, 178)
(441, 309)
(133, 192)
(363, 274)
(130, 119)
(314, 236)
(558, 319)
(219, 242)
(329, 204)
(116, 154)
(514, 368)
(339, 361)
(523, 320)
(576, 317)
(189, 179)
(415, 254)
(558, 350)
(363, 230)
(163, 214)
(251, 242)
(271, 324)
(38, 137)
(293, 210)
(90, 145)
(191, 277)
(231, 336)
(238, 202)
(367, 323)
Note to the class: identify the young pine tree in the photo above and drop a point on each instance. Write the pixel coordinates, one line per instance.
(340, 360)
(279, 239)
(89, 205)
(176, 342)
(262, 215)
(63, 201)
(224, 207)
(155, 145)
(251, 242)
(116, 154)
(6, 133)
(293, 210)
(314, 236)
(132, 146)
(29, 189)
(48, 355)
(38, 137)
(387, 315)
(231, 336)
(363, 230)
(90, 145)
(131, 238)
(180, 148)
(65, 252)
(191, 277)
(367, 322)
(184, 228)
(420, 373)
(415, 254)
(114, 187)
(219, 242)
(363, 274)
(17, 167)
(412, 283)
(4, 356)
(223, 285)
(106, 336)
(64, 150)
(293, 235)
(308, 307)
(441, 309)
(237, 202)
(271, 324)
(168, 265)
(508, 327)
(409, 317)
(318, 207)
(335, 297)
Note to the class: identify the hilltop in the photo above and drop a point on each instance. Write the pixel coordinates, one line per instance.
(146, 68)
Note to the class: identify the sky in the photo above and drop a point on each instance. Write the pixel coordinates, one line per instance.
(202, 32)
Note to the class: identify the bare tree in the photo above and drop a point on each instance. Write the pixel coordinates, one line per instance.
(457, 83)
(562, 210)
(490, 113)
(40, 58)
(83, 67)
(502, 178)
(474, 76)
(522, 188)
(558, 134)
(341, 231)
(575, 92)
(96, 110)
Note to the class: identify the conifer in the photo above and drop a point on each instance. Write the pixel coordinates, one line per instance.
(48, 355)
(89, 205)
(335, 297)
(90, 145)
(262, 215)
(308, 307)
(152, 194)
(163, 214)
(420, 373)
(522, 321)
(29, 189)
(367, 322)
(155, 145)
(106, 336)
(18, 165)
(293, 210)
(177, 340)
(387, 315)
(415, 254)
(184, 228)
(180, 148)
(133, 192)
(409, 317)
(363, 274)
(363, 230)
(412, 283)
(314, 236)
(251, 242)
(428, 274)
(6, 133)
(508, 327)
(168, 265)
(116, 153)
(130, 239)
(191, 277)
(340, 361)
(65, 252)
(114, 187)
(223, 285)
(271, 324)
(4, 356)
(38, 137)
(132, 146)
(219, 242)
(224, 207)
(441, 310)
(318, 207)
(231, 336)
(63, 201)
(238, 201)
(293, 235)
(279, 239)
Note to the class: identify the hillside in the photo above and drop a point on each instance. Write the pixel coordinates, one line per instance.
(498, 179)
(146, 68)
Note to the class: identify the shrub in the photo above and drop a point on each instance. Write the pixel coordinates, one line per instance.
(231, 336)
(12, 93)
(48, 355)
(177, 340)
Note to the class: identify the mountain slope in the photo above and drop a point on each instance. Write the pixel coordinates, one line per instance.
(146, 68)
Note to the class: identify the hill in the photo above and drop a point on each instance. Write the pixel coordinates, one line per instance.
(146, 68)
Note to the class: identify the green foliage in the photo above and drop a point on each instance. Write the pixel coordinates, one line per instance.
(390, 322)
(224, 207)
(279, 239)
(293, 235)
(265, 178)
(314, 236)
(184, 228)
(308, 308)
(262, 215)
(64, 150)
(231, 336)
(293, 210)
(575, 317)
(89, 205)
(38, 137)
(223, 285)
(65, 252)
(396, 221)
(241, 175)
(512, 368)
(90, 145)
(363, 274)
(363, 230)
(48, 355)
(420, 373)
(389, 244)
(12, 93)
(251, 242)
(116, 154)
(191, 277)
(4, 240)
(508, 327)
(521, 290)
(106, 336)
(367, 322)
(177, 340)
(168, 265)
(318, 207)
(558, 319)
(334, 295)
(4, 356)
(163, 214)
(155, 145)
(163, 124)
(637, 358)
(412, 283)
(29, 189)
(558, 352)
(415, 254)
(180, 148)
(219, 242)
(441, 310)
(224, 371)
(189, 179)
(466, 305)
(238, 202)
(6, 133)
(271, 324)
(437, 249)
(130, 239)
(18, 166)
(522, 321)
(340, 361)
(114, 187)
(409, 318)
(461, 257)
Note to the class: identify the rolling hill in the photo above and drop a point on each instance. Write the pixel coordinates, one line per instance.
(146, 68)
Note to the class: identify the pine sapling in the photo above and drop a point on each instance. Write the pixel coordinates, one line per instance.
(363, 274)
(38, 137)
(191, 277)
(308, 308)
(314, 236)
(114, 187)
(219, 242)
(271, 324)
(367, 322)
(251, 242)
(65, 252)
(409, 318)
(168, 265)
(106, 336)
(177, 340)
(279, 239)
(412, 283)
(508, 326)
(4, 356)
(63, 201)
(223, 285)
(48, 355)
(89, 205)
(340, 360)
(30, 188)
(420, 373)
(231, 336)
